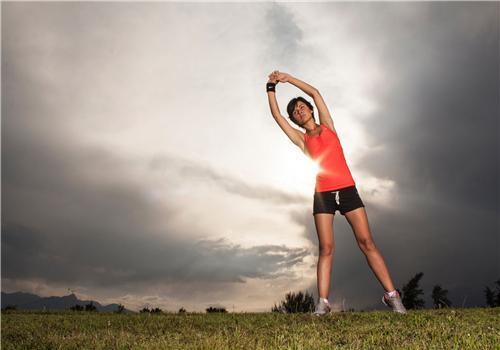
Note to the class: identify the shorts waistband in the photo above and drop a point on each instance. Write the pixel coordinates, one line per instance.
(338, 189)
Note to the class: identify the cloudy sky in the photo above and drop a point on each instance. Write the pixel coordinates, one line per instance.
(141, 164)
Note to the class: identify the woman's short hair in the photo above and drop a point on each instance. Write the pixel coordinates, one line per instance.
(291, 107)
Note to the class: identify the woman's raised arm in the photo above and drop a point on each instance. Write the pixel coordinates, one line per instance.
(293, 134)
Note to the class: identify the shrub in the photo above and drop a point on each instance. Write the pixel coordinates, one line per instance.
(295, 303)
(215, 309)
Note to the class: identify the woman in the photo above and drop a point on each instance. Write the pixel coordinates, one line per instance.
(335, 187)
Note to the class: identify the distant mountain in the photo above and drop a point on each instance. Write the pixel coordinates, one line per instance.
(27, 301)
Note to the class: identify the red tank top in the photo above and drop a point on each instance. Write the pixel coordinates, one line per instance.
(325, 148)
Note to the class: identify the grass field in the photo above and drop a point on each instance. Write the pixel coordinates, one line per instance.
(474, 328)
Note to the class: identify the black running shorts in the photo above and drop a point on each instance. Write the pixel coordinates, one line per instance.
(344, 200)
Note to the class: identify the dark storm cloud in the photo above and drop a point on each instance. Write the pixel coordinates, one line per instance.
(439, 123)
(444, 148)
(106, 259)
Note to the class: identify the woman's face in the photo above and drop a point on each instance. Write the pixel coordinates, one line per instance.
(301, 112)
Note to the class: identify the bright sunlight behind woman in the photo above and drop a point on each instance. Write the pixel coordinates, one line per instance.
(301, 173)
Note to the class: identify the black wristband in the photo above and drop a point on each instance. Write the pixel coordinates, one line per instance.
(271, 87)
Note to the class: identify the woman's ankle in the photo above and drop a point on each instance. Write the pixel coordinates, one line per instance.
(392, 293)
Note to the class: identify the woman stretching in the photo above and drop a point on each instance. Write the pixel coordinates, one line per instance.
(335, 187)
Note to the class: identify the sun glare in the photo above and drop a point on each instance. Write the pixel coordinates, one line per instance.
(298, 173)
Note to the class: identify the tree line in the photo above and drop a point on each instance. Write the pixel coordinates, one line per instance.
(304, 302)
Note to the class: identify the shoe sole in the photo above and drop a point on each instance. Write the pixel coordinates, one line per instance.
(315, 314)
(322, 314)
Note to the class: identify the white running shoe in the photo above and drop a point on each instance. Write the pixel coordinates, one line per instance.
(394, 302)
(322, 308)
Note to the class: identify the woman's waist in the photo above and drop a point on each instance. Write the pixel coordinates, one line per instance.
(333, 172)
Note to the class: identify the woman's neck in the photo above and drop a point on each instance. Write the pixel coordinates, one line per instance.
(312, 129)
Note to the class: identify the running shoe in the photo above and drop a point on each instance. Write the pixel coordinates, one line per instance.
(322, 308)
(394, 302)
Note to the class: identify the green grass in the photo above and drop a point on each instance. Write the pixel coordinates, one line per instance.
(474, 328)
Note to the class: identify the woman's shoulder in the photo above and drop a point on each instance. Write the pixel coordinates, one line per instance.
(326, 127)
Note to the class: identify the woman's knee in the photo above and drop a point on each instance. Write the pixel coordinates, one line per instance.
(326, 249)
(367, 245)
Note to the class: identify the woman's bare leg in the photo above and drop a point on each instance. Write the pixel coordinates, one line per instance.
(324, 229)
(359, 223)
